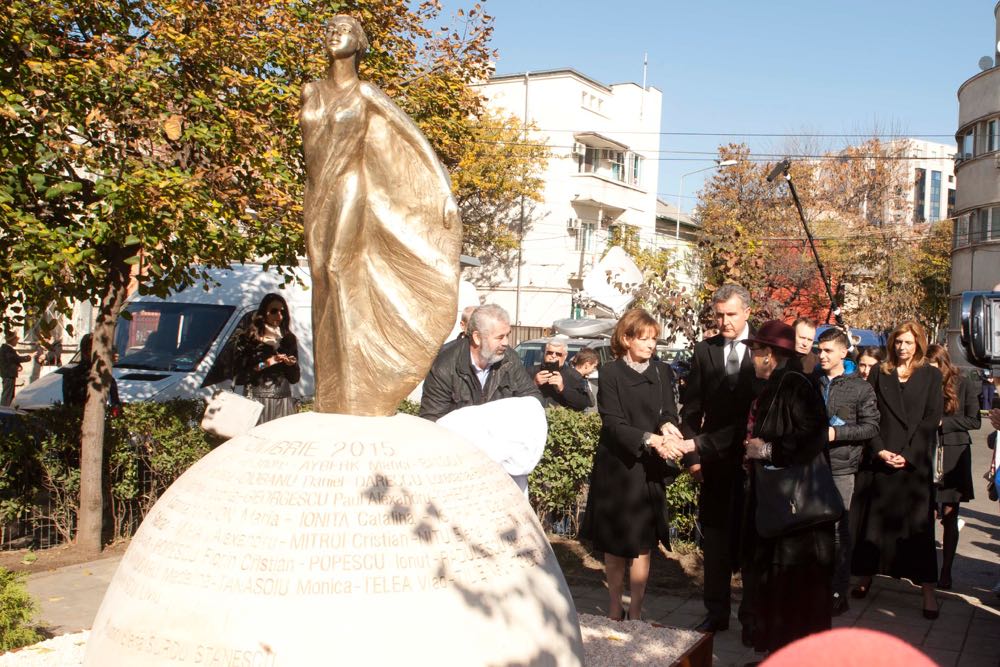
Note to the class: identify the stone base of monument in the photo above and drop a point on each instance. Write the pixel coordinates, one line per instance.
(605, 642)
(608, 642)
(323, 538)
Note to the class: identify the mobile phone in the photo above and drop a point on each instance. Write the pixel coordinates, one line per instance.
(550, 366)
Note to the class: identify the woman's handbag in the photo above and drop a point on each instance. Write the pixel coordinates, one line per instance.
(795, 497)
(938, 459)
(228, 415)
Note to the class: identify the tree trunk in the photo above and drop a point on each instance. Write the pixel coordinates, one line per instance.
(91, 514)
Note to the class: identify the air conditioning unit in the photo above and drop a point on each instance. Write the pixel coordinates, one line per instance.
(574, 223)
(579, 148)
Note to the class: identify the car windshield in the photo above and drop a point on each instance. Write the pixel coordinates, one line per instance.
(168, 336)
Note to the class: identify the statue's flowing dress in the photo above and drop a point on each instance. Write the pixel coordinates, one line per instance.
(383, 237)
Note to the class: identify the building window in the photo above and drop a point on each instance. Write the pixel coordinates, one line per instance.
(993, 141)
(968, 144)
(961, 236)
(589, 159)
(635, 168)
(617, 159)
(585, 237)
(995, 223)
(935, 212)
(951, 202)
(919, 195)
(976, 226)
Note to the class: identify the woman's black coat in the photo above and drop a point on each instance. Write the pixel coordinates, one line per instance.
(892, 510)
(790, 574)
(626, 505)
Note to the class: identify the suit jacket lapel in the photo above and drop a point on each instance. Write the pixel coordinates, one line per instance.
(717, 353)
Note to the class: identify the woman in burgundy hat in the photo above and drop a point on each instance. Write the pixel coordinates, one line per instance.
(788, 424)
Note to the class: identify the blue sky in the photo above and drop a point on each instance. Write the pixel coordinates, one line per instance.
(760, 66)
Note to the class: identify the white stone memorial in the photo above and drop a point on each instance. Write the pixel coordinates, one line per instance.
(333, 539)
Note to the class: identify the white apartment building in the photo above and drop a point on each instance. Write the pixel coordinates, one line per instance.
(932, 178)
(603, 171)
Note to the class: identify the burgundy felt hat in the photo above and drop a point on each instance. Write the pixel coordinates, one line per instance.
(774, 333)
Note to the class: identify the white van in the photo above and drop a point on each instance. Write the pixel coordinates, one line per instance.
(169, 348)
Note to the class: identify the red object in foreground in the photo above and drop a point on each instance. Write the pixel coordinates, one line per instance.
(849, 647)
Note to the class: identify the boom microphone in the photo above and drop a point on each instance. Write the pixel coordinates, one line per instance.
(779, 169)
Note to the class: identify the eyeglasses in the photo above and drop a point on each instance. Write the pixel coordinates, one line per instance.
(275, 311)
(554, 353)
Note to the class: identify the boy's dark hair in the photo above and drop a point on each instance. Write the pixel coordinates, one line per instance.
(585, 355)
(835, 335)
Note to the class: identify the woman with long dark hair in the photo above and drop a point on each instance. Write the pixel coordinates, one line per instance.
(626, 513)
(961, 415)
(869, 358)
(893, 504)
(268, 358)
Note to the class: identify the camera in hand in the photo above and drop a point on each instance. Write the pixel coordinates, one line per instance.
(550, 366)
(981, 329)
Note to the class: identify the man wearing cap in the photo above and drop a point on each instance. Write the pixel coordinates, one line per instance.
(715, 404)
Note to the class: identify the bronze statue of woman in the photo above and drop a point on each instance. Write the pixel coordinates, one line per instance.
(382, 233)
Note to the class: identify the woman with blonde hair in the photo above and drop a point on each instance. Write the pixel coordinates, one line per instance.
(961, 415)
(893, 505)
(626, 514)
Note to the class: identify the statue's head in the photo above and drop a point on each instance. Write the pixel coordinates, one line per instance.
(346, 38)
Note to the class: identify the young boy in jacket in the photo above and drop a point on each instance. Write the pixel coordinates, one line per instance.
(853, 413)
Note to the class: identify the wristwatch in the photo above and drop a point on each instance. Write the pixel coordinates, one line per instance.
(646, 439)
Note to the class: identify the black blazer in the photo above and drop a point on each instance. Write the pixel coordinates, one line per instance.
(908, 421)
(10, 361)
(955, 428)
(712, 413)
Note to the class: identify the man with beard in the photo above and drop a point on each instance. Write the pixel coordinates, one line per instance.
(477, 369)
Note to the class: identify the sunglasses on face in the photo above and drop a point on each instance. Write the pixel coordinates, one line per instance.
(553, 353)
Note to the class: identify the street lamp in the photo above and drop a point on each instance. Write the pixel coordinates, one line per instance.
(680, 194)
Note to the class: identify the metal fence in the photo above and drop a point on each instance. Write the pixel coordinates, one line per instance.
(49, 523)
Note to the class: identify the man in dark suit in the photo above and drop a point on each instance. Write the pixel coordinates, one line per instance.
(716, 401)
(10, 366)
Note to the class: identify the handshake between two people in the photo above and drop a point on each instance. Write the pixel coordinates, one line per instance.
(670, 444)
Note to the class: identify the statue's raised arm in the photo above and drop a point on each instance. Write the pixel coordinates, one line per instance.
(382, 233)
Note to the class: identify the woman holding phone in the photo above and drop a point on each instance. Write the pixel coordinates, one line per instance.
(268, 357)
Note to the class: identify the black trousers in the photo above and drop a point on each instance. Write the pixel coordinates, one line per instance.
(8, 391)
(719, 549)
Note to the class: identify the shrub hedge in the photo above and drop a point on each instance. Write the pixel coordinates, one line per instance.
(16, 609)
(146, 448)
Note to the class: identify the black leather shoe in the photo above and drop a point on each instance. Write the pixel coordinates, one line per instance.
(746, 636)
(712, 625)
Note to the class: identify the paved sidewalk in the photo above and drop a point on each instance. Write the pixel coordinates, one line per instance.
(966, 634)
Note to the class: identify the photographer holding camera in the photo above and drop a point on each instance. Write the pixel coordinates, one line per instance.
(562, 384)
